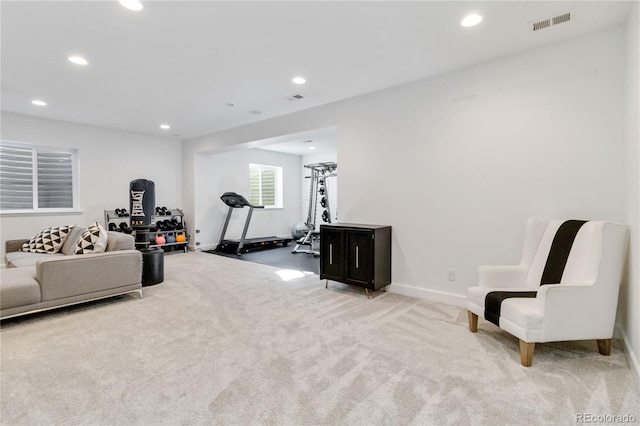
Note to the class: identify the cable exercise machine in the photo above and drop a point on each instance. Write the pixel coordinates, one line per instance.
(243, 245)
(317, 187)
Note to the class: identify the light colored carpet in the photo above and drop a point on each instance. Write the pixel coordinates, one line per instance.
(223, 341)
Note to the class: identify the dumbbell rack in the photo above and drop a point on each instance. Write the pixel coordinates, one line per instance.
(122, 223)
(110, 216)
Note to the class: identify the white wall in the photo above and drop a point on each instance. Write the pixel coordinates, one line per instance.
(108, 161)
(229, 172)
(629, 315)
(464, 158)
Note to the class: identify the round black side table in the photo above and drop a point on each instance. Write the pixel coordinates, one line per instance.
(152, 266)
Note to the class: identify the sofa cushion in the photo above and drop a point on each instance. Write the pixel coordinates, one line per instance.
(20, 259)
(69, 246)
(120, 241)
(70, 276)
(48, 240)
(18, 288)
(93, 240)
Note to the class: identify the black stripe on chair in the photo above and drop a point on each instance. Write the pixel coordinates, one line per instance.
(559, 252)
(552, 273)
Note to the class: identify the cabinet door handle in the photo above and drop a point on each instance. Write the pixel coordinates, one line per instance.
(357, 257)
(330, 254)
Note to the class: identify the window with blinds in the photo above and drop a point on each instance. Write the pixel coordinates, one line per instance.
(265, 185)
(36, 178)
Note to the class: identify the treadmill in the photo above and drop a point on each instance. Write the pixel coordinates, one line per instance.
(244, 245)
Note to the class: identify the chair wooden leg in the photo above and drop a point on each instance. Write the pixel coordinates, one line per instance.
(604, 346)
(473, 321)
(526, 353)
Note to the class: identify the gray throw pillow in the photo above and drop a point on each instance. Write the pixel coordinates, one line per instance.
(69, 246)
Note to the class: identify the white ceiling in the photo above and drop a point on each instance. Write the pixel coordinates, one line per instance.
(312, 142)
(181, 62)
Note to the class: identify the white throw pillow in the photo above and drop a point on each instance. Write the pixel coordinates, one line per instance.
(93, 240)
(48, 240)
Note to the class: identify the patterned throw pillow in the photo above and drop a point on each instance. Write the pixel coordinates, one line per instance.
(93, 240)
(48, 240)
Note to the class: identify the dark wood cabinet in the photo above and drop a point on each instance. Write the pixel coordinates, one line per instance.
(356, 254)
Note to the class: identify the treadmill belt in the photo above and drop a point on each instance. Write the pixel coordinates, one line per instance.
(254, 243)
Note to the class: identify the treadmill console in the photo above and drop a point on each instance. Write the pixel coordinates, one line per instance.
(234, 200)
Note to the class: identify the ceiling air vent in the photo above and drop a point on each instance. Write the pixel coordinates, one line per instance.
(561, 18)
(294, 97)
(547, 22)
(541, 24)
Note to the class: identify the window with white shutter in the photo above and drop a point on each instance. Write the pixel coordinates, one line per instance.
(265, 185)
(37, 179)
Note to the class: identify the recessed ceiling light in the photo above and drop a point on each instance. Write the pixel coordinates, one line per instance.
(471, 20)
(39, 102)
(255, 112)
(131, 4)
(230, 104)
(312, 147)
(78, 60)
(165, 126)
(299, 80)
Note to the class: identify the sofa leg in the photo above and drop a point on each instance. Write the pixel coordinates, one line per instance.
(604, 346)
(526, 353)
(473, 321)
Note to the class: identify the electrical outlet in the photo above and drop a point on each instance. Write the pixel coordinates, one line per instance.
(197, 243)
(451, 274)
(197, 231)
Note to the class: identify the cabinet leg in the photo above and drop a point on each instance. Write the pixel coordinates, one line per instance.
(326, 285)
(369, 296)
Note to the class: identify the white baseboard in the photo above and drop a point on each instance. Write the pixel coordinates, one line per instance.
(427, 294)
(632, 359)
(203, 247)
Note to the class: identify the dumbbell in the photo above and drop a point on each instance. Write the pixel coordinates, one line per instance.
(321, 190)
(323, 201)
(112, 227)
(325, 216)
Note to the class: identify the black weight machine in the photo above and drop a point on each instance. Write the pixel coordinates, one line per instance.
(319, 174)
(243, 245)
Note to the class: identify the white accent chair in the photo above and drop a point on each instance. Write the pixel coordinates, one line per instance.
(581, 306)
